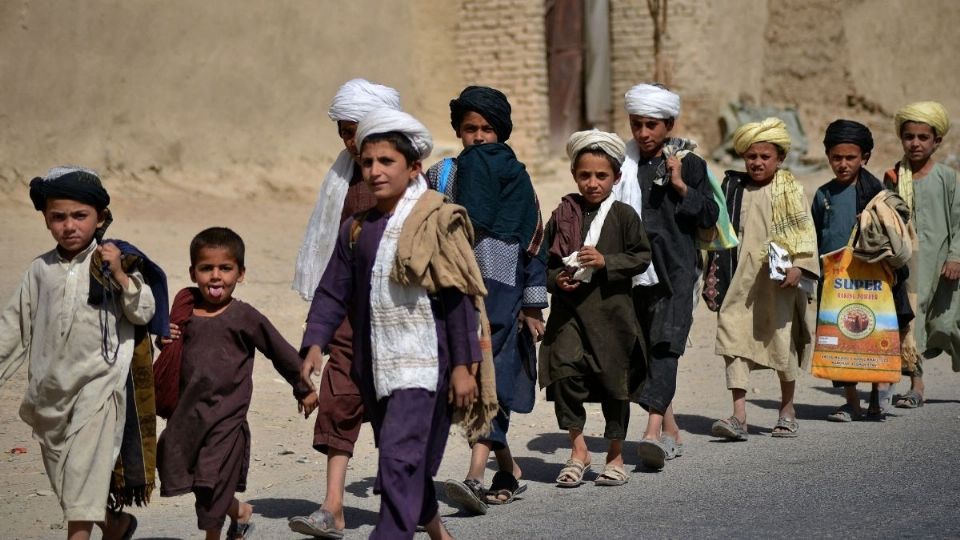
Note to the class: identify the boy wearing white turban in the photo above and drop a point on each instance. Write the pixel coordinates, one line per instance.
(590, 351)
(413, 346)
(931, 191)
(668, 187)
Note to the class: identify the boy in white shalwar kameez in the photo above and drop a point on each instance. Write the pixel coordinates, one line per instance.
(78, 354)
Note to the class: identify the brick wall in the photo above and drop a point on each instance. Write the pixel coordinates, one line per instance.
(502, 44)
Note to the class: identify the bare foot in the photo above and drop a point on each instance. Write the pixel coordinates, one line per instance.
(338, 518)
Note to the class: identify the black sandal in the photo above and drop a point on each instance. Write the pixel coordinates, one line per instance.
(504, 484)
(238, 530)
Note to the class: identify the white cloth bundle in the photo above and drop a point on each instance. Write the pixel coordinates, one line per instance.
(628, 191)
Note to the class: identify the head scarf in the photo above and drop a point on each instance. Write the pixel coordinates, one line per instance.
(609, 143)
(74, 183)
(792, 227)
(652, 101)
(926, 112)
(354, 100)
(771, 130)
(489, 103)
(357, 97)
(387, 120)
(848, 131)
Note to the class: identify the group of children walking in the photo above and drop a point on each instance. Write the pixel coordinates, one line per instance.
(427, 291)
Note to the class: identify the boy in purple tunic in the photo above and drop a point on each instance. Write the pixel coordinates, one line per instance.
(410, 347)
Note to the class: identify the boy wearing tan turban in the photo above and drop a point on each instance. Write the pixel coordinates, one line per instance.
(769, 210)
(931, 191)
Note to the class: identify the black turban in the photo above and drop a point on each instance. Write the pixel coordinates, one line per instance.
(848, 131)
(74, 184)
(489, 103)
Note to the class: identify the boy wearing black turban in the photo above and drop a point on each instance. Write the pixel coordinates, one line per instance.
(836, 209)
(488, 180)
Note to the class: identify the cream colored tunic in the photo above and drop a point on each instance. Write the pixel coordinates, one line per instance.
(758, 320)
(49, 323)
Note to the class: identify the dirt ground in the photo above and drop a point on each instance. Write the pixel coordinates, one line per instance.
(162, 222)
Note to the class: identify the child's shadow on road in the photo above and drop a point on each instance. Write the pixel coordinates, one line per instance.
(273, 508)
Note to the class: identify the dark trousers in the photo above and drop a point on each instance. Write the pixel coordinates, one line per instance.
(411, 428)
(570, 393)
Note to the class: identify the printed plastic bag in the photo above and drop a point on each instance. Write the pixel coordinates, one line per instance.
(858, 339)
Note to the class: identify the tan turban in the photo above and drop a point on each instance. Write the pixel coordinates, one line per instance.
(593, 139)
(926, 112)
(771, 130)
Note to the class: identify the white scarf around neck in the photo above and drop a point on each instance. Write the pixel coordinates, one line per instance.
(628, 191)
(403, 332)
(585, 273)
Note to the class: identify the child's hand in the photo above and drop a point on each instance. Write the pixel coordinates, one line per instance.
(465, 390)
(792, 279)
(111, 255)
(951, 270)
(308, 404)
(532, 318)
(566, 283)
(174, 335)
(591, 258)
(673, 165)
(313, 363)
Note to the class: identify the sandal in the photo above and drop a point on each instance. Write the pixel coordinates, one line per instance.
(319, 524)
(504, 485)
(468, 495)
(131, 526)
(612, 475)
(788, 428)
(571, 475)
(238, 530)
(845, 414)
(730, 428)
(910, 400)
(674, 448)
(653, 453)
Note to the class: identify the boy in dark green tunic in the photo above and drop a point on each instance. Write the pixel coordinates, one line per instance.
(591, 350)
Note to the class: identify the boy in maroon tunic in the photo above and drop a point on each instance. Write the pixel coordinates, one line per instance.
(205, 448)
(410, 348)
(343, 194)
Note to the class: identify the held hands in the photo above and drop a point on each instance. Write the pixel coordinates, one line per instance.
(465, 390)
(951, 270)
(111, 255)
(533, 319)
(673, 165)
(792, 279)
(313, 363)
(308, 404)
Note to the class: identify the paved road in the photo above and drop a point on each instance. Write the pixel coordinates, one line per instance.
(896, 478)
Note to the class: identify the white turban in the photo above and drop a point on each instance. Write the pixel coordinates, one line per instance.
(357, 97)
(386, 120)
(594, 139)
(652, 101)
